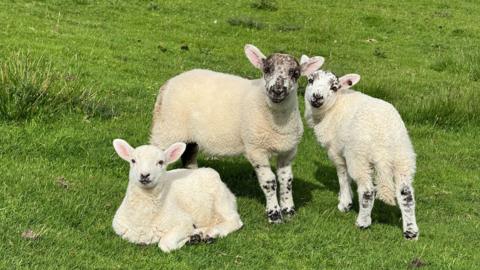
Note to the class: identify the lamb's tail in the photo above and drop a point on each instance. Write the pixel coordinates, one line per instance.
(385, 184)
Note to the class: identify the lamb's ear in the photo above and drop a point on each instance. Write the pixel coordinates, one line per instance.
(311, 65)
(123, 149)
(174, 152)
(304, 59)
(349, 80)
(255, 56)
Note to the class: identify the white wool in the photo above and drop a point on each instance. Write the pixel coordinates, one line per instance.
(367, 141)
(360, 127)
(191, 105)
(175, 205)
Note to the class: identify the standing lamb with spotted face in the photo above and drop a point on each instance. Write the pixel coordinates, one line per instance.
(363, 136)
(226, 115)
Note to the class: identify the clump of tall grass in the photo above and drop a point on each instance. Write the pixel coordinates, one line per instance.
(30, 86)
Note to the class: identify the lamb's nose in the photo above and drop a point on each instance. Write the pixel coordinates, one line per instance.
(317, 96)
(144, 176)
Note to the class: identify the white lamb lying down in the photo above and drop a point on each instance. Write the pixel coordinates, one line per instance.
(363, 136)
(172, 207)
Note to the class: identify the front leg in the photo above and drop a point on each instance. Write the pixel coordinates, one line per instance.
(268, 183)
(285, 179)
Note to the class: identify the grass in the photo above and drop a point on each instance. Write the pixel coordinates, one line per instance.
(61, 181)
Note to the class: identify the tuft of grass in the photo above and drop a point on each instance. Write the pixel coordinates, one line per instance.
(246, 22)
(265, 5)
(379, 53)
(30, 86)
(441, 64)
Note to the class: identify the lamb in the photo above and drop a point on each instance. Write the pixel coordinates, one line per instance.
(226, 115)
(175, 206)
(363, 135)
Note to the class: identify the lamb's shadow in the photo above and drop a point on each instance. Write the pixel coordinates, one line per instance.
(240, 178)
(381, 213)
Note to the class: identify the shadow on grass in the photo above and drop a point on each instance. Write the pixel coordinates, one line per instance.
(381, 213)
(240, 178)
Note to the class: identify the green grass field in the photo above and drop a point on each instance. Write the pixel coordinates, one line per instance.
(61, 179)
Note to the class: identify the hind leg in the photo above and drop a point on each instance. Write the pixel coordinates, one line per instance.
(189, 157)
(406, 201)
(361, 172)
(226, 209)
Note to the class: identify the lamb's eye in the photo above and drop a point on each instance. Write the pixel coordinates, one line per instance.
(160, 162)
(310, 81)
(294, 73)
(133, 160)
(267, 70)
(333, 87)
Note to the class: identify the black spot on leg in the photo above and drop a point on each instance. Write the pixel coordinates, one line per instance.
(367, 197)
(289, 184)
(194, 226)
(407, 196)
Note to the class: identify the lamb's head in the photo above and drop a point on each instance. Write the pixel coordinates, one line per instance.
(281, 72)
(147, 162)
(323, 86)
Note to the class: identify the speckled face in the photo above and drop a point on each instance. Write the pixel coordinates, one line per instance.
(321, 88)
(281, 73)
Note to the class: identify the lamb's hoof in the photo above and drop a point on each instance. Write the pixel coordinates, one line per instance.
(195, 239)
(288, 212)
(363, 224)
(345, 207)
(409, 235)
(208, 240)
(274, 217)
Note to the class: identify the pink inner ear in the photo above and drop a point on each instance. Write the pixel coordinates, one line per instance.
(174, 154)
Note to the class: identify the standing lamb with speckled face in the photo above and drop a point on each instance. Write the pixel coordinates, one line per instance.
(175, 206)
(363, 136)
(226, 115)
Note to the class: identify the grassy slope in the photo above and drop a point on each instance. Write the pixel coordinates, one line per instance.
(425, 61)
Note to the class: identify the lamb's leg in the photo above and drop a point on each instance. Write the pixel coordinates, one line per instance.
(268, 183)
(345, 195)
(176, 238)
(361, 171)
(285, 179)
(366, 197)
(189, 157)
(406, 201)
(226, 208)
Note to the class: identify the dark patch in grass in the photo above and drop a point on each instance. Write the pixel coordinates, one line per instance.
(246, 22)
(269, 5)
(416, 263)
(288, 27)
(153, 6)
(441, 64)
(458, 32)
(30, 86)
(162, 47)
(184, 47)
(475, 74)
(373, 21)
(379, 53)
